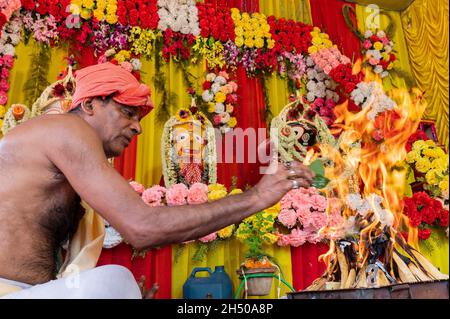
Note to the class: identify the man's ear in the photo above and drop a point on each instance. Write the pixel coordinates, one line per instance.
(87, 106)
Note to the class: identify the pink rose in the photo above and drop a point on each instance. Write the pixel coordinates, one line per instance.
(138, 188)
(287, 217)
(197, 194)
(4, 86)
(319, 202)
(208, 238)
(176, 195)
(367, 44)
(8, 61)
(297, 238)
(385, 40)
(283, 240)
(5, 73)
(217, 119)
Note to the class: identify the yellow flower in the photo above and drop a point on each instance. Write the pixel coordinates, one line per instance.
(412, 156)
(430, 143)
(86, 14)
(235, 14)
(423, 165)
(99, 15)
(433, 152)
(390, 66)
(270, 238)
(220, 97)
(75, 6)
(111, 18)
(232, 122)
(327, 43)
(216, 187)
(211, 107)
(274, 210)
(236, 191)
(245, 17)
(441, 164)
(443, 185)
(270, 44)
(433, 177)
(378, 45)
(259, 43)
(316, 30)
(266, 28)
(88, 4)
(2, 111)
(419, 145)
(215, 195)
(239, 41)
(312, 50)
(239, 31)
(226, 232)
(249, 43)
(316, 40)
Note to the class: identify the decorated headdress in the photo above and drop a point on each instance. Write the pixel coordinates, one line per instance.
(57, 97)
(175, 172)
(299, 128)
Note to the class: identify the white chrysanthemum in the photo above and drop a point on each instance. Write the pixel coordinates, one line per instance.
(215, 87)
(311, 85)
(210, 77)
(309, 62)
(381, 34)
(220, 79)
(136, 63)
(368, 34)
(310, 97)
(8, 49)
(207, 96)
(219, 108)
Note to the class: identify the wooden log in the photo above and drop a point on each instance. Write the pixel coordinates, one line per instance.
(351, 279)
(343, 266)
(403, 270)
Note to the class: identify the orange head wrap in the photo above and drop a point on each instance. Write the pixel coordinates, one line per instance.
(106, 79)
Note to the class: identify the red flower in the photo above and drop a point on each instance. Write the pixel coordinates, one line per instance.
(28, 4)
(424, 234)
(133, 16)
(418, 135)
(429, 215)
(2, 20)
(374, 38)
(443, 218)
(349, 87)
(206, 85)
(392, 57)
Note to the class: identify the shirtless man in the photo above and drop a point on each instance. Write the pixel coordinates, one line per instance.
(48, 163)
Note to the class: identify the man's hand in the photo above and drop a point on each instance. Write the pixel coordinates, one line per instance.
(280, 179)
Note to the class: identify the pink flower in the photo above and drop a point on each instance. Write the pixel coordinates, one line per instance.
(327, 69)
(197, 194)
(153, 196)
(319, 202)
(373, 61)
(5, 73)
(297, 238)
(233, 85)
(176, 195)
(3, 98)
(208, 238)
(138, 188)
(224, 74)
(102, 59)
(127, 66)
(288, 217)
(385, 40)
(367, 44)
(4, 85)
(283, 240)
(8, 61)
(217, 119)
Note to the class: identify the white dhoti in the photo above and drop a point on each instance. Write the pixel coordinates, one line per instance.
(105, 282)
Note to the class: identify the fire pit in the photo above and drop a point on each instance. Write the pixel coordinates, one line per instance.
(421, 290)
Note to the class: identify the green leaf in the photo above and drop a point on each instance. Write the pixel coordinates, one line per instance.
(317, 167)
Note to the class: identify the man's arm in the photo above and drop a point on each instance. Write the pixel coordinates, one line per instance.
(77, 151)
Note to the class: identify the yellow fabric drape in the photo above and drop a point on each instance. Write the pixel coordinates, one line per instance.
(425, 24)
(288, 9)
(402, 62)
(149, 172)
(22, 67)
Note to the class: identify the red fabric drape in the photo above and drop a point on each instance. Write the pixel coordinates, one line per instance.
(305, 264)
(156, 266)
(327, 15)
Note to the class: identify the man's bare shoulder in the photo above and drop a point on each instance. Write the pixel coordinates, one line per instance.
(50, 129)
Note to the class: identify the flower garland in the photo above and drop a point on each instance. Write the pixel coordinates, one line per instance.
(215, 22)
(10, 38)
(220, 94)
(177, 45)
(142, 41)
(290, 36)
(253, 31)
(7, 8)
(143, 13)
(105, 36)
(377, 50)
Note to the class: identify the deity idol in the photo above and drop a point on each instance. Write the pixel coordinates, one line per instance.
(189, 149)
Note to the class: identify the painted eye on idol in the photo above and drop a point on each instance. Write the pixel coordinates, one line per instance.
(182, 137)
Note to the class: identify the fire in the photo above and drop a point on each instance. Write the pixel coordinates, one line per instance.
(365, 169)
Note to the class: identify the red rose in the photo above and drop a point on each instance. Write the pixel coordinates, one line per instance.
(130, 5)
(133, 17)
(424, 234)
(349, 87)
(428, 215)
(392, 57)
(206, 85)
(374, 38)
(443, 218)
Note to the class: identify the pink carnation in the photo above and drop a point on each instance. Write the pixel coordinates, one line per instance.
(176, 195)
(297, 238)
(217, 119)
(153, 196)
(208, 238)
(138, 188)
(367, 44)
(197, 194)
(283, 240)
(385, 40)
(318, 202)
(3, 98)
(288, 218)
